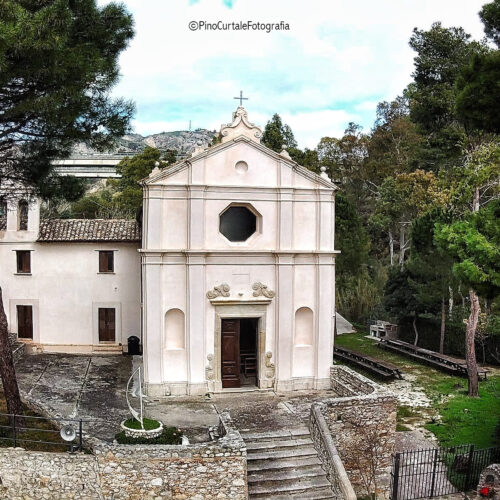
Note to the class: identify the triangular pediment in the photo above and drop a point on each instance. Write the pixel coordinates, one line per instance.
(158, 176)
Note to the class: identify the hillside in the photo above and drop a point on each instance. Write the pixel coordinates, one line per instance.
(181, 141)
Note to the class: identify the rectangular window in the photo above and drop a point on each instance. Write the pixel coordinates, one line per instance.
(106, 261)
(23, 261)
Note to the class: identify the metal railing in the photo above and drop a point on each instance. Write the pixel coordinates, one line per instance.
(435, 472)
(40, 433)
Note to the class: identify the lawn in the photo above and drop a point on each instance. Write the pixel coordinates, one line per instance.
(29, 439)
(457, 419)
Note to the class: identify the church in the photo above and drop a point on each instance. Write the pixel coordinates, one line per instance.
(229, 283)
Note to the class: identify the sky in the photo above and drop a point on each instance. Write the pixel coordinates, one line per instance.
(337, 60)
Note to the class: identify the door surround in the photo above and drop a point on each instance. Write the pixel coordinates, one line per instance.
(249, 309)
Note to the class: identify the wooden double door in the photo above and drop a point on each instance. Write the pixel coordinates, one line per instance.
(237, 333)
(107, 324)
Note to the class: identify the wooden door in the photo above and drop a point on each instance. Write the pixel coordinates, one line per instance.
(230, 350)
(106, 324)
(25, 322)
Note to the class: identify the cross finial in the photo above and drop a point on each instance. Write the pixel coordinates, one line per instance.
(241, 98)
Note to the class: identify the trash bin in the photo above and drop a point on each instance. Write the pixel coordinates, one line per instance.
(134, 345)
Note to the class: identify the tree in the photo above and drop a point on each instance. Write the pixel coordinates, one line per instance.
(474, 245)
(478, 101)
(128, 191)
(401, 200)
(58, 62)
(442, 53)
(345, 160)
(278, 135)
(490, 16)
(399, 299)
(431, 277)
(122, 198)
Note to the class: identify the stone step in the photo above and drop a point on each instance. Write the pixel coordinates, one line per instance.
(269, 476)
(288, 453)
(290, 486)
(317, 494)
(294, 433)
(278, 444)
(283, 463)
(107, 349)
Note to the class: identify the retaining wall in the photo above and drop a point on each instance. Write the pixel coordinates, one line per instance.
(362, 423)
(206, 471)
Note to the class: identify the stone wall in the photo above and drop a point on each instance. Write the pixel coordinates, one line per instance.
(206, 471)
(329, 456)
(362, 423)
(26, 475)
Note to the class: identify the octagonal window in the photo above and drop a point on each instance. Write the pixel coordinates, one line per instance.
(238, 223)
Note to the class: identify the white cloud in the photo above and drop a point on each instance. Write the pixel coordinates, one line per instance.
(337, 61)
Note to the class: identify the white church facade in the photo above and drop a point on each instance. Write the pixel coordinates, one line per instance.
(230, 284)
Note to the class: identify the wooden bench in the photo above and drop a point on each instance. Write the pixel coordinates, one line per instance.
(432, 358)
(381, 368)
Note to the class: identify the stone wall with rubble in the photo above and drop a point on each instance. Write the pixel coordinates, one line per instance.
(206, 471)
(362, 422)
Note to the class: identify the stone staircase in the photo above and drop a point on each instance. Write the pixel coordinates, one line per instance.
(284, 465)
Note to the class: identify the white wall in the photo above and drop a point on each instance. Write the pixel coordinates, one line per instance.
(185, 255)
(66, 289)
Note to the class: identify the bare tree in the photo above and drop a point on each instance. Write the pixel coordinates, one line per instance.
(366, 451)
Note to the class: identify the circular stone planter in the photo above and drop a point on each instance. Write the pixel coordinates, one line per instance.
(139, 433)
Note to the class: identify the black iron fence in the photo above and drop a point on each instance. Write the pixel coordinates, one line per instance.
(438, 471)
(40, 433)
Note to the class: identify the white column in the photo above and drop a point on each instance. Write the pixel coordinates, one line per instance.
(152, 324)
(196, 226)
(326, 310)
(285, 222)
(284, 326)
(326, 221)
(196, 327)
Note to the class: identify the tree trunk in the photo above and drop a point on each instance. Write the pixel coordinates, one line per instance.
(450, 301)
(443, 325)
(7, 371)
(415, 342)
(402, 245)
(470, 348)
(391, 247)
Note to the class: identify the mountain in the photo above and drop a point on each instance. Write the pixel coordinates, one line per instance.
(182, 141)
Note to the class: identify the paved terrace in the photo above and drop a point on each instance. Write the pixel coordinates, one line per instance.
(93, 388)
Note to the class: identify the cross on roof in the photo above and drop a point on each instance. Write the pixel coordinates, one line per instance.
(241, 98)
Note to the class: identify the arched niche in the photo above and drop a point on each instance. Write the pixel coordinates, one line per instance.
(174, 330)
(304, 327)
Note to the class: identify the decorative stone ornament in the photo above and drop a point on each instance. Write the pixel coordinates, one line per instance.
(218, 291)
(209, 369)
(261, 289)
(324, 175)
(270, 369)
(240, 126)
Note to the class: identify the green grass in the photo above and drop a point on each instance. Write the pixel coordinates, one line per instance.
(467, 420)
(149, 424)
(39, 430)
(463, 420)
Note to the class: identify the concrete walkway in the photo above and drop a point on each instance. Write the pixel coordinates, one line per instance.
(91, 388)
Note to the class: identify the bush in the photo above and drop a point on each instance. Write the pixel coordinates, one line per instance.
(170, 435)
